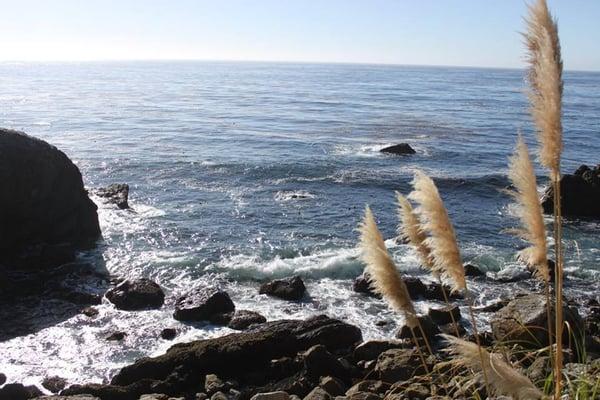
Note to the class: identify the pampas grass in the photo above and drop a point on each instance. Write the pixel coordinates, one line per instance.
(410, 230)
(503, 379)
(529, 211)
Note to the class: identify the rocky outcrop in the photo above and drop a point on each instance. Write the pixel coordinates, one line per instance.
(579, 194)
(138, 294)
(117, 194)
(398, 149)
(43, 199)
(288, 289)
(203, 304)
(243, 319)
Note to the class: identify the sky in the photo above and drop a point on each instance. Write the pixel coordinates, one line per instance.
(481, 33)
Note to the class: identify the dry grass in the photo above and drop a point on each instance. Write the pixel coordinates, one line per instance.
(410, 229)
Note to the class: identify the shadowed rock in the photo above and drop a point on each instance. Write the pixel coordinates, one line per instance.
(399, 149)
(288, 289)
(203, 304)
(117, 193)
(138, 294)
(579, 194)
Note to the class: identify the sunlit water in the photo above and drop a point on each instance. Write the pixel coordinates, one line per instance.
(214, 153)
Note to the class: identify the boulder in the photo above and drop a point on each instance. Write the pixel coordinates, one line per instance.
(362, 284)
(369, 386)
(116, 336)
(473, 271)
(579, 194)
(332, 385)
(444, 315)
(398, 365)
(318, 394)
(280, 395)
(16, 391)
(201, 304)
(2, 379)
(43, 200)
(242, 319)
(117, 194)
(429, 327)
(74, 397)
(435, 291)
(54, 383)
(139, 294)
(416, 287)
(398, 149)
(168, 333)
(319, 362)
(524, 320)
(288, 289)
(372, 349)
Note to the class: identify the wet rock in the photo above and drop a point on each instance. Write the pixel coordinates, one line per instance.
(318, 394)
(242, 319)
(117, 193)
(524, 321)
(429, 327)
(168, 333)
(288, 289)
(372, 349)
(493, 307)
(279, 395)
(416, 287)
(473, 271)
(362, 285)
(332, 385)
(16, 391)
(202, 303)
(435, 291)
(47, 202)
(444, 315)
(2, 379)
(116, 336)
(319, 362)
(398, 149)
(54, 383)
(398, 365)
(138, 294)
(579, 193)
(90, 312)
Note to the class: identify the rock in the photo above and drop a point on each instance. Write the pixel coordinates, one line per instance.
(16, 391)
(237, 354)
(443, 316)
(202, 303)
(54, 383)
(416, 288)
(279, 395)
(117, 194)
(435, 291)
(219, 396)
(44, 200)
(473, 271)
(116, 336)
(540, 369)
(200, 396)
(398, 365)
(417, 391)
(168, 333)
(579, 193)
(139, 294)
(154, 396)
(372, 349)
(319, 362)
(288, 289)
(429, 327)
(493, 307)
(74, 397)
(90, 312)
(318, 394)
(370, 386)
(362, 285)
(2, 379)
(363, 396)
(524, 321)
(332, 385)
(398, 149)
(242, 319)
(213, 384)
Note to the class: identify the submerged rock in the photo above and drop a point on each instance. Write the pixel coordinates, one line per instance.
(117, 193)
(46, 201)
(202, 304)
(139, 294)
(398, 149)
(288, 289)
(579, 194)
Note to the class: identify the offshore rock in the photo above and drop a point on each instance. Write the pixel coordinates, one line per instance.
(579, 194)
(139, 294)
(202, 304)
(117, 193)
(288, 289)
(398, 149)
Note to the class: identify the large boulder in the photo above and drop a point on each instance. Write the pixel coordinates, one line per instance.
(42, 198)
(399, 149)
(203, 304)
(139, 294)
(288, 289)
(579, 193)
(117, 194)
(398, 365)
(524, 320)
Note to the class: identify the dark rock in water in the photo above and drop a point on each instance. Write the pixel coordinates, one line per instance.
(47, 202)
(117, 194)
(234, 355)
(416, 287)
(443, 316)
(54, 383)
(472, 270)
(16, 391)
(430, 329)
(398, 365)
(201, 304)
(168, 333)
(579, 193)
(435, 291)
(493, 307)
(2, 379)
(116, 336)
(524, 321)
(372, 349)
(288, 289)
(90, 312)
(399, 149)
(362, 284)
(139, 294)
(242, 319)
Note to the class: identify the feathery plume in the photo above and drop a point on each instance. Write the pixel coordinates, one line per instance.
(385, 278)
(410, 229)
(435, 221)
(529, 210)
(502, 377)
(545, 78)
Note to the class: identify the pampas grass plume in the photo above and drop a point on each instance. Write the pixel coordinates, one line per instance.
(503, 379)
(410, 230)
(385, 278)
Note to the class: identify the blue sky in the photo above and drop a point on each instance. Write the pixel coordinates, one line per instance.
(423, 32)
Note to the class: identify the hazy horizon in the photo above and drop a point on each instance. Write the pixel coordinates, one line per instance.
(472, 33)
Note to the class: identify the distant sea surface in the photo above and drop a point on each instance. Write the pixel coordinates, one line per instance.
(242, 172)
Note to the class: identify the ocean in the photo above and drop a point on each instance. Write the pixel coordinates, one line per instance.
(241, 172)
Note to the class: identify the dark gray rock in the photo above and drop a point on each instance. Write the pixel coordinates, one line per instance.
(473, 271)
(579, 194)
(372, 349)
(139, 294)
(168, 333)
(362, 284)
(117, 193)
(2, 379)
(429, 327)
(243, 319)
(203, 303)
(288, 289)
(331, 385)
(116, 336)
(319, 362)
(43, 200)
(54, 383)
(444, 315)
(398, 365)
(399, 149)
(318, 394)
(16, 391)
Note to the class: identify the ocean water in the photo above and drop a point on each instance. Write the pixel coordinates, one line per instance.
(241, 172)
